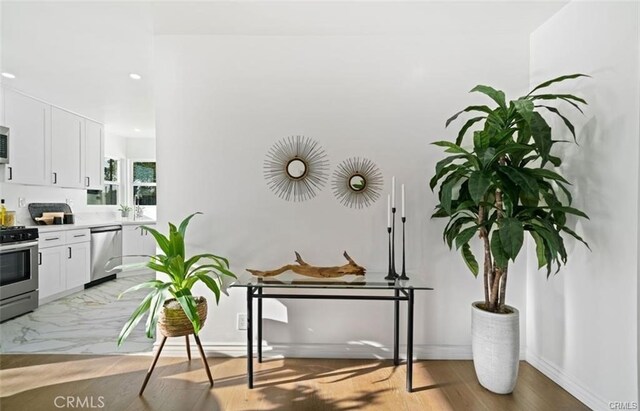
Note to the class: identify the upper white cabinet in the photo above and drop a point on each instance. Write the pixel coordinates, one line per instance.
(67, 149)
(49, 145)
(29, 121)
(94, 154)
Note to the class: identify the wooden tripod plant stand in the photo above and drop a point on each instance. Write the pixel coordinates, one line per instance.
(174, 323)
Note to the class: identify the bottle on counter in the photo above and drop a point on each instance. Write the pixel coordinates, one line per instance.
(3, 213)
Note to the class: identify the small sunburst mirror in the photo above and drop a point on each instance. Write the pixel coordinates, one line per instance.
(357, 182)
(296, 168)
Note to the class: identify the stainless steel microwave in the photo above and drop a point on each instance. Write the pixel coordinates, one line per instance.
(4, 145)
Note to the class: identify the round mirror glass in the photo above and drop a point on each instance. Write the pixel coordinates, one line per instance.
(357, 182)
(296, 168)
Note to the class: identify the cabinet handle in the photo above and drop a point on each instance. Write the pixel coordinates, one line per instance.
(52, 238)
(39, 258)
(10, 173)
(55, 178)
(79, 235)
(69, 251)
(88, 181)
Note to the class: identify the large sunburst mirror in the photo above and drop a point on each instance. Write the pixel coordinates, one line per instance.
(357, 182)
(296, 168)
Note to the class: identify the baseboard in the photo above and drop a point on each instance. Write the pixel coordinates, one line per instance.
(357, 350)
(568, 382)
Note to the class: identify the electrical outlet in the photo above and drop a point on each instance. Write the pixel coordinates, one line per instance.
(22, 202)
(242, 321)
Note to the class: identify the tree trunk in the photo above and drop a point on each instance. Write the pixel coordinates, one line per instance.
(487, 254)
(503, 287)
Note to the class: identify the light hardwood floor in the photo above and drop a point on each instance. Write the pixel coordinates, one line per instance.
(32, 382)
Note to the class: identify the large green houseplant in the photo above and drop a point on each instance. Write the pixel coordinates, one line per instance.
(500, 186)
(182, 273)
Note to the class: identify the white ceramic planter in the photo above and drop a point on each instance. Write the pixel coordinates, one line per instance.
(495, 342)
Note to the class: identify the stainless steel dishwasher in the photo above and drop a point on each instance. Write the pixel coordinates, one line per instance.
(106, 248)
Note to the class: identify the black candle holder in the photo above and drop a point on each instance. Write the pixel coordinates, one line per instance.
(391, 276)
(393, 242)
(403, 275)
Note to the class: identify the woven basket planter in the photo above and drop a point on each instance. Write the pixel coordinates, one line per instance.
(173, 322)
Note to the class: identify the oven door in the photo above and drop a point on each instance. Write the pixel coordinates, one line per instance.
(18, 268)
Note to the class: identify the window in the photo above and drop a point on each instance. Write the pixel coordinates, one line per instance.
(144, 182)
(109, 194)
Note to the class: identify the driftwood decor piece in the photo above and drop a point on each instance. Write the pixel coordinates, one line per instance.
(302, 268)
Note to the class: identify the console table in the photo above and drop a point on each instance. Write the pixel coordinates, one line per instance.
(260, 288)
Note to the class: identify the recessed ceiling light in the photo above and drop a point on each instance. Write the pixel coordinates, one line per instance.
(135, 76)
(136, 130)
(8, 75)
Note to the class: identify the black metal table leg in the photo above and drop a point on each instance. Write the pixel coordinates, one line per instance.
(259, 342)
(410, 341)
(396, 327)
(250, 337)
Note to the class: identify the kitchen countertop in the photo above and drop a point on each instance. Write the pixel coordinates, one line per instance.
(91, 224)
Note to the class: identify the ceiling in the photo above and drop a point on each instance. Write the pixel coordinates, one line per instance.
(79, 54)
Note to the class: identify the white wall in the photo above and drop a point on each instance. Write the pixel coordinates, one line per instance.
(141, 148)
(582, 323)
(222, 101)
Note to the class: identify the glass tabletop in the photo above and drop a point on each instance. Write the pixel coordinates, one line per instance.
(369, 281)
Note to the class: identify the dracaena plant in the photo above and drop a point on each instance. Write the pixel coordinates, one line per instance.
(182, 274)
(502, 184)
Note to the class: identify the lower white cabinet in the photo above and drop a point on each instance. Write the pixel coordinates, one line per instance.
(65, 263)
(137, 242)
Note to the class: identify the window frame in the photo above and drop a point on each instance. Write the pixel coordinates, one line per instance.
(131, 184)
(117, 183)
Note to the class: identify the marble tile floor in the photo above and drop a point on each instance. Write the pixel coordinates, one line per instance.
(87, 322)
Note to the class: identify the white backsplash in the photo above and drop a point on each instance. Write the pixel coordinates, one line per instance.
(76, 198)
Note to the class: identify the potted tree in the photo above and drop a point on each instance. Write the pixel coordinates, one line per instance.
(170, 305)
(499, 187)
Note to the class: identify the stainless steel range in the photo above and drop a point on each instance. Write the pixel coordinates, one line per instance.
(18, 271)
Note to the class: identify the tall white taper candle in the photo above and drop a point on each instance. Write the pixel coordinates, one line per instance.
(403, 201)
(393, 191)
(388, 211)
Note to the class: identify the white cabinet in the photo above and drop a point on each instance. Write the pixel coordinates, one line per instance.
(29, 121)
(94, 154)
(51, 273)
(67, 149)
(78, 265)
(65, 263)
(137, 242)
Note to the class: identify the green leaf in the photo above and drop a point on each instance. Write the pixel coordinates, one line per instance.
(161, 240)
(446, 194)
(511, 236)
(465, 235)
(541, 133)
(188, 304)
(570, 210)
(479, 183)
(135, 318)
(183, 225)
(481, 139)
(466, 127)
(469, 259)
(147, 284)
(443, 168)
(500, 258)
(154, 310)
(451, 148)
(545, 173)
(526, 183)
(564, 120)
(483, 109)
(495, 95)
(564, 97)
(540, 249)
(211, 284)
(524, 107)
(557, 80)
(575, 235)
